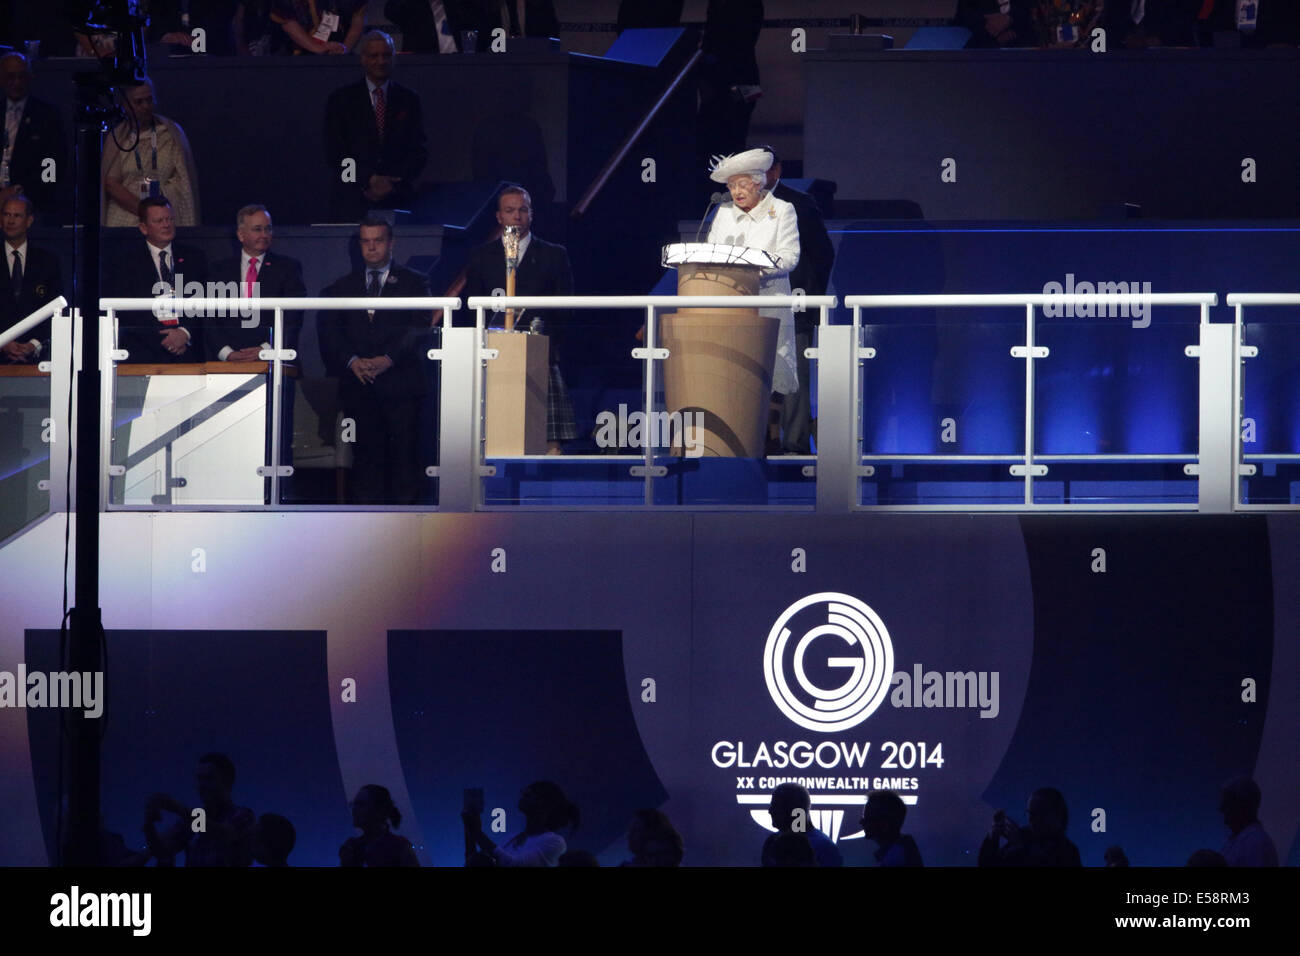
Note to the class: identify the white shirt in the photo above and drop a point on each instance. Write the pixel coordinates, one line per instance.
(171, 258)
(171, 262)
(773, 227)
(383, 278)
(22, 255)
(244, 260)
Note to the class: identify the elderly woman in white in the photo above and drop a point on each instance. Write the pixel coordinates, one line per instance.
(757, 219)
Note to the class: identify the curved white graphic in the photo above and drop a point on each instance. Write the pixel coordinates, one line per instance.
(868, 666)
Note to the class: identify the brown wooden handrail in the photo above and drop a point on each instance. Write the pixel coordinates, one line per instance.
(625, 147)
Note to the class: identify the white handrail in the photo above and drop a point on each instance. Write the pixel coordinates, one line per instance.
(1035, 298)
(58, 304)
(641, 301)
(1263, 298)
(226, 304)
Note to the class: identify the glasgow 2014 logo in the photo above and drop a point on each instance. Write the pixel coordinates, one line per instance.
(868, 659)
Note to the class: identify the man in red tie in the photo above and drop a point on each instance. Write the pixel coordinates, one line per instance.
(237, 338)
(374, 137)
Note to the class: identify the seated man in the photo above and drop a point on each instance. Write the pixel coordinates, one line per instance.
(151, 270)
(30, 279)
(543, 269)
(379, 357)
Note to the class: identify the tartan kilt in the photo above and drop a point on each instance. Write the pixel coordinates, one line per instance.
(560, 424)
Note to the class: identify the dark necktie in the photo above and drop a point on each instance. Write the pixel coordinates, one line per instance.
(165, 270)
(17, 274)
(372, 287)
(381, 111)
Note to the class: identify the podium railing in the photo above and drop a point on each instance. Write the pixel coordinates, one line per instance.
(651, 351)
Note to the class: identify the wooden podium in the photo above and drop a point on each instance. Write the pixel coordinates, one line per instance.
(720, 360)
(517, 384)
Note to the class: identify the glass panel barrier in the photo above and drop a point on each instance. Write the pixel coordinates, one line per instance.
(1270, 413)
(26, 430)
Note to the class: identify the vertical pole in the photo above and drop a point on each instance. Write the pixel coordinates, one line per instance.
(650, 346)
(1029, 404)
(277, 381)
(82, 777)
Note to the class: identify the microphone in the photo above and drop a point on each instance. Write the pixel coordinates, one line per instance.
(713, 201)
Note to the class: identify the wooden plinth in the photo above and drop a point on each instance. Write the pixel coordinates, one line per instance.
(517, 380)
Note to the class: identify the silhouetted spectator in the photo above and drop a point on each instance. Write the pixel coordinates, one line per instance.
(1211, 858)
(788, 849)
(273, 840)
(882, 822)
(1248, 844)
(255, 33)
(32, 140)
(1042, 843)
(374, 138)
(653, 840)
(330, 27)
(579, 858)
(173, 22)
(373, 812)
(1115, 856)
(226, 838)
(728, 75)
(791, 810)
(547, 812)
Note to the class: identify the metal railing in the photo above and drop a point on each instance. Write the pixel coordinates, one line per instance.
(277, 355)
(1238, 301)
(840, 464)
(1027, 465)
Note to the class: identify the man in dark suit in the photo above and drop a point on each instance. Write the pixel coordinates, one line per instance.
(30, 279)
(378, 126)
(998, 23)
(32, 134)
(813, 276)
(543, 269)
(380, 359)
(235, 339)
(258, 273)
(153, 268)
(1147, 23)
